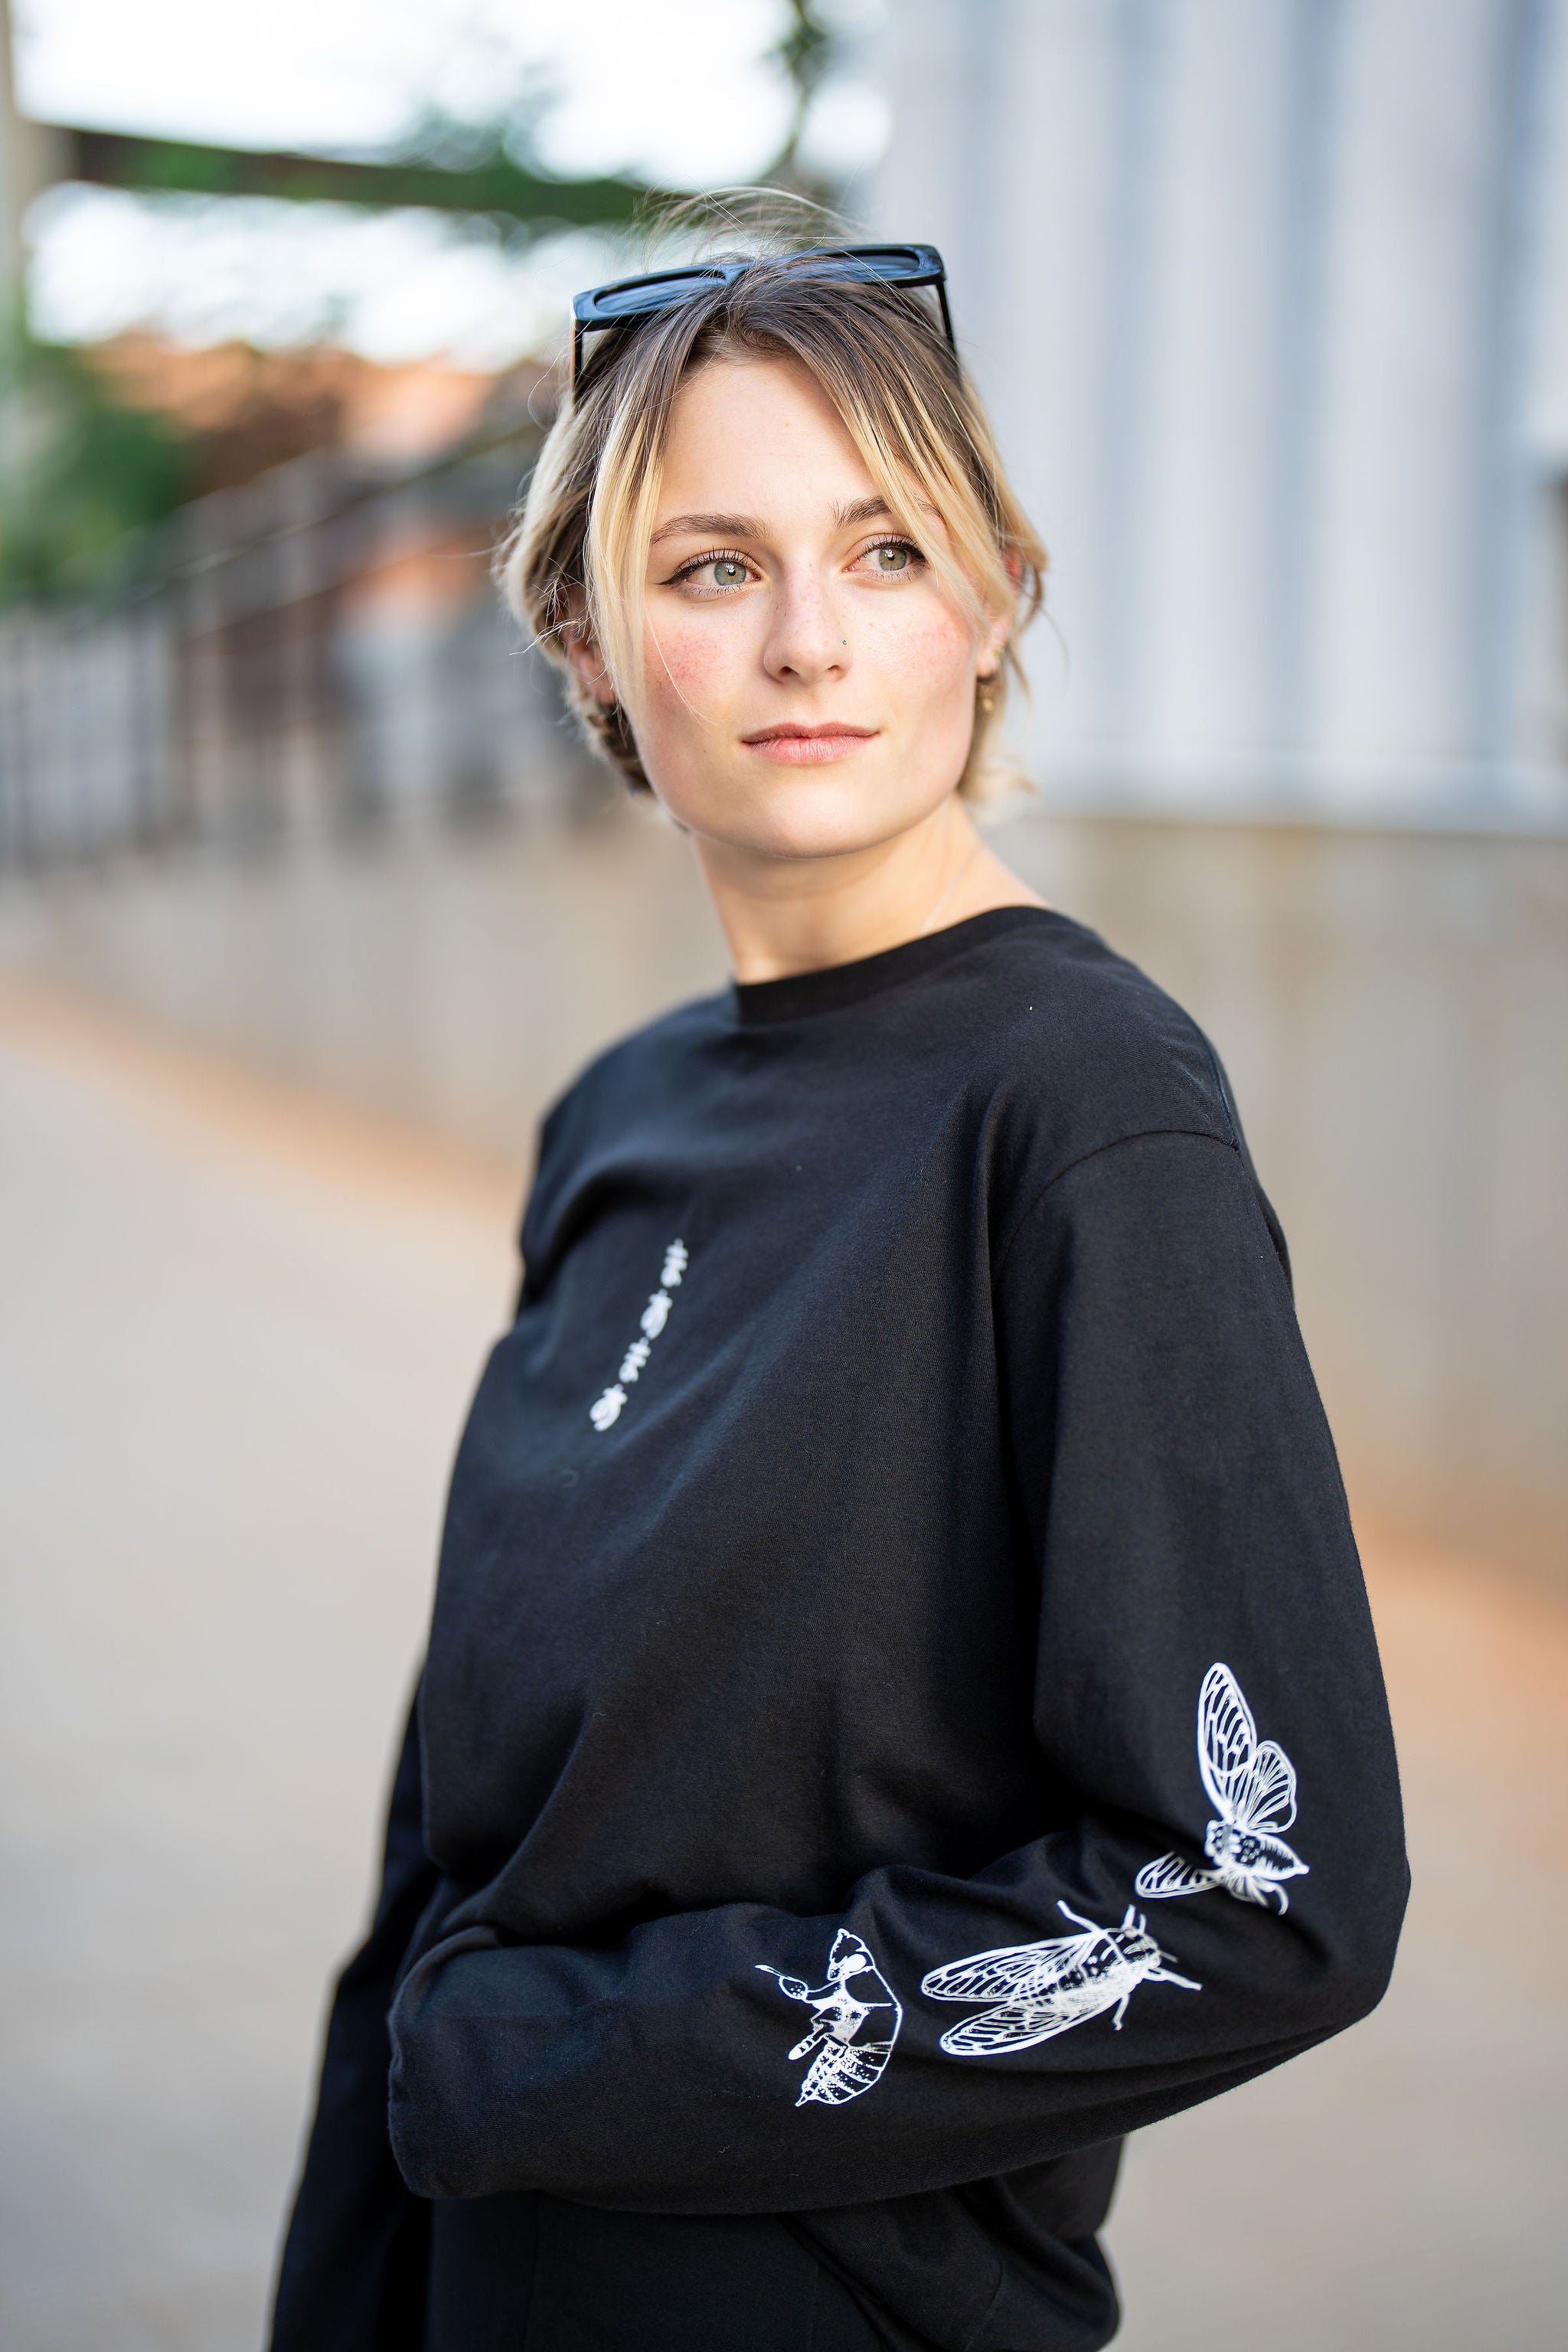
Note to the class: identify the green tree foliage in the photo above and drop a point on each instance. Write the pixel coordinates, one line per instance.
(478, 167)
(82, 475)
(804, 52)
(482, 176)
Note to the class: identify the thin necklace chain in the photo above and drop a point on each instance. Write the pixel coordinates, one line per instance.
(951, 887)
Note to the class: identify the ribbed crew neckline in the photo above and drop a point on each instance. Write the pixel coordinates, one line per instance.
(800, 995)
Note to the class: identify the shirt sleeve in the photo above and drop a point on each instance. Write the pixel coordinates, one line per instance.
(350, 2278)
(1225, 1878)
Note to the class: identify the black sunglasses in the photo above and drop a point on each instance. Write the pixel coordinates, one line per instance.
(629, 300)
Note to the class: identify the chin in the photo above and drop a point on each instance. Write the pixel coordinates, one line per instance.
(812, 812)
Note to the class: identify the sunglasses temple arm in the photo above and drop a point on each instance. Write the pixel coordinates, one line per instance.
(946, 313)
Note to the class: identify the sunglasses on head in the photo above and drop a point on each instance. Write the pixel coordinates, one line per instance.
(627, 301)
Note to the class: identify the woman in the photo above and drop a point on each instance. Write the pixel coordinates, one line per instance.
(896, 1574)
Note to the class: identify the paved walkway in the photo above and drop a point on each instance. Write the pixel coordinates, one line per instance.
(238, 1333)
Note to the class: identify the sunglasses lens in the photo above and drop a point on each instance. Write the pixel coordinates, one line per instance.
(647, 294)
(888, 266)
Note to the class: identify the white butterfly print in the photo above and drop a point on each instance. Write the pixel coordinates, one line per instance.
(1253, 1791)
(1047, 1987)
(855, 2021)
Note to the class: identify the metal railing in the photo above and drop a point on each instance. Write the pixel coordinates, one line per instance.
(319, 652)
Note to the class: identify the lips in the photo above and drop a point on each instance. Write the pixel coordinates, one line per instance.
(804, 746)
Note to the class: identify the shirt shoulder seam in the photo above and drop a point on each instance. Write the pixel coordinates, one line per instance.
(1038, 1200)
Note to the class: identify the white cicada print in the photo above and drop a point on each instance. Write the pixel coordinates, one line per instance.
(1252, 1788)
(856, 2016)
(1046, 1988)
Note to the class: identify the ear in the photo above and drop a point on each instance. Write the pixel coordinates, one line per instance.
(581, 650)
(988, 657)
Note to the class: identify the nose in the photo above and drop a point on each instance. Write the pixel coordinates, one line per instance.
(807, 644)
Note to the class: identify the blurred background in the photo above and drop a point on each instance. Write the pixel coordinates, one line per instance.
(309, 903)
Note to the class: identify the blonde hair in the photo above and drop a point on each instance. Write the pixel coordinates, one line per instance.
(576, 561)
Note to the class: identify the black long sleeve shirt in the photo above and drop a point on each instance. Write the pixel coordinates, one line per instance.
(901, 1709)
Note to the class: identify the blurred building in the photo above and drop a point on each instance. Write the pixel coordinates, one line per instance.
(1270, 301)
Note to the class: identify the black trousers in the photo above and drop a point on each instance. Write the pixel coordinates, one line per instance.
(531, 2273)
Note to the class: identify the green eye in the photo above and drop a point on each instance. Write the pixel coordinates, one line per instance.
(891, 558)
(728, 572)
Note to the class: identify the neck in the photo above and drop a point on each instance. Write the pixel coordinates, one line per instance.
(787, 915)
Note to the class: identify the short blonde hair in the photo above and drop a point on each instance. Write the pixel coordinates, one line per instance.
(576, 561)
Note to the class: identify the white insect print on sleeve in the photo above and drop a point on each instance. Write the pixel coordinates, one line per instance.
(605, 1410)
(856, 2016)
(1047, 1987)
(1253, 1791)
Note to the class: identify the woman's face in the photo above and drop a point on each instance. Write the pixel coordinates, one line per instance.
(809, 686)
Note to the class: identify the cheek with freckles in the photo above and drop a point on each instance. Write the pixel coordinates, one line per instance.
(692, 674)
(924, 655)
(688, 657)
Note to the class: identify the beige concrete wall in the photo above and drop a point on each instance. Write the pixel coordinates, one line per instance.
(1393, 1007)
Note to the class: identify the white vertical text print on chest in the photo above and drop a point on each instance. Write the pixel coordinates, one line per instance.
(605, 1410)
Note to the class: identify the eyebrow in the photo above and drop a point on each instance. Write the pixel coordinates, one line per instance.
(736, 526)
(708, 526)
(863, 510)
